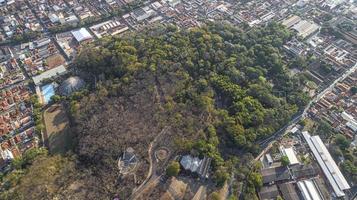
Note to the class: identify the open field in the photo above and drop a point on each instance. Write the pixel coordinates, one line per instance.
(57, 135)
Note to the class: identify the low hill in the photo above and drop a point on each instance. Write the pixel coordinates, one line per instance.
(213, 91)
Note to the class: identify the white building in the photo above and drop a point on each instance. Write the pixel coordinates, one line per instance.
(351, 122)
(290, 153)
(6, 154)
(327, 164)
(309, 190)
(81, 35)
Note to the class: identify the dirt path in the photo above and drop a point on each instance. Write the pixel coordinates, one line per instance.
(151, 178)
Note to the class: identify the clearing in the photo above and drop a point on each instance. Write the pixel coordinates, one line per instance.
(57, 135)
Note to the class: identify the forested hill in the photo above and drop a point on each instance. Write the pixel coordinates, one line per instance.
(239, 75)
(213, 90)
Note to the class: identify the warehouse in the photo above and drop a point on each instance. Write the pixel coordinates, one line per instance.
(327, 164)
(81, 35)
(305, 28)
(309, 190)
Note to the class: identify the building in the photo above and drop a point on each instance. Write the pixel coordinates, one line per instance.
(111, 27)
(276, 174)
(309, 190)
(303, 171)
(305, 28)
(290, 153)
(141, 14)
(268, 192)
(60, 70)
(269, 159)
(81, 35)
(327, 164)
(288, 191)
(70, 85)
(5, 54)
(128, 161)
(291, 21)
(173, 3)
(331, 4)
(196, 165)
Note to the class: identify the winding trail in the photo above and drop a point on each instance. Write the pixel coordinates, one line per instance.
(151, 177)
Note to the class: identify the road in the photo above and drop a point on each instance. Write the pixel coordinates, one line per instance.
(152, 176)
(264, 144)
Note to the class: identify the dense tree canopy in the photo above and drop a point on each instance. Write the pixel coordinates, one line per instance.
(241, 75)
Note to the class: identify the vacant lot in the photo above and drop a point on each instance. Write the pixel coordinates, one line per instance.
(57, 136)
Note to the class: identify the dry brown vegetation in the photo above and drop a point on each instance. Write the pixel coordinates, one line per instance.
(57, 129)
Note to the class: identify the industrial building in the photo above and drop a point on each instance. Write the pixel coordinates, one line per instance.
(291, 21)
(327, 164)
(305, 28)
(81, 35)
(309, 190)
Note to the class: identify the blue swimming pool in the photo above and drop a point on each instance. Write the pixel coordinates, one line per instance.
(47, 91)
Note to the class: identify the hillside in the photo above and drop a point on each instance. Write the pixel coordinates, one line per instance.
(214, 91)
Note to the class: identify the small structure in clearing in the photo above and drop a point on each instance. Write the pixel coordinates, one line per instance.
(196, 165)
(70, 85)
(127, 162)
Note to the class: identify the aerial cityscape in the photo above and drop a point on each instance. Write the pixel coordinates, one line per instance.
(178, 99)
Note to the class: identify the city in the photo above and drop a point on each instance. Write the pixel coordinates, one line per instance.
(313, 156)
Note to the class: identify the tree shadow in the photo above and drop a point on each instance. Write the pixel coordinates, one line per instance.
(61, 142)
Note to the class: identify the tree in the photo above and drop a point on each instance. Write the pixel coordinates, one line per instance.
(173, 169)
(255, 179)
(284, 161)
(324, 129)
(215, 196)
(55, 98)
(353, 90)
(341, 141)
(220, 176)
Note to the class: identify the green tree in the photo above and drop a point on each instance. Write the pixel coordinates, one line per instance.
(256, 179)
(284, 161)
(56, 98)
(215, 196)
(220, 176)
(173, 169)
(341, 141)
(353, 90)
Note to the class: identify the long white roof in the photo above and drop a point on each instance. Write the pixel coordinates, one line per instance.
(309, 190)
(327, 164)
(48, 74)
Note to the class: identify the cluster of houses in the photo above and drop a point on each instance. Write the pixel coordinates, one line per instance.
(10, 72)
(53, 13)
(310, 174)
(338, 107)
(39, 56)
(17, 131)
(16, 19)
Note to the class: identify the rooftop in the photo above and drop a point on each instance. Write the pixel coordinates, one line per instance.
(81, 35)
(327, 164)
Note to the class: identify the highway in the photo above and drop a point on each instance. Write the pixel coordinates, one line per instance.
(264, 144)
